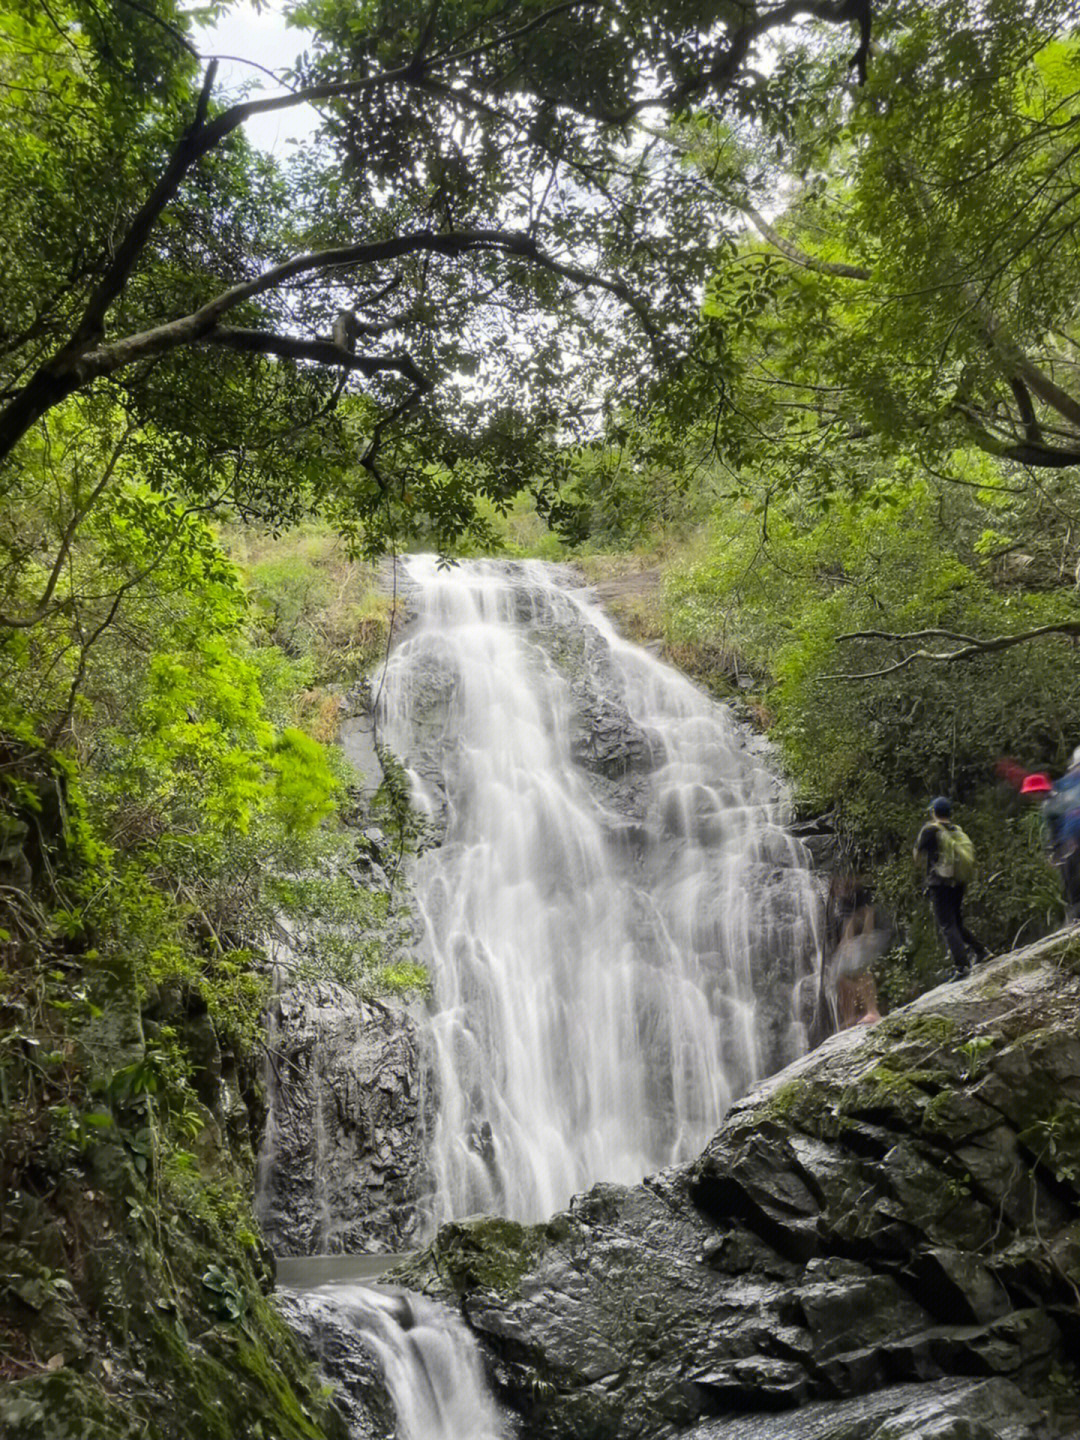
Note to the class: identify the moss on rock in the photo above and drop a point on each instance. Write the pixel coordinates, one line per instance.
(488, 1253)
(129, 1340)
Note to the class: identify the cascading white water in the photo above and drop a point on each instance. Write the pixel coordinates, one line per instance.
(615, 919)
(428, 1360)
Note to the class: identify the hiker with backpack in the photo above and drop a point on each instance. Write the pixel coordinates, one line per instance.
(949, 857)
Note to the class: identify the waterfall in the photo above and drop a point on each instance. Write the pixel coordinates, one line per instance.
(615, 920)
(427, 1360)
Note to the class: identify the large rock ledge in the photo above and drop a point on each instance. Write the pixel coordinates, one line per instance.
(881, 1243)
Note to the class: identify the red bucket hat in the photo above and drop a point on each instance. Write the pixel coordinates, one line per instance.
(1036, 785)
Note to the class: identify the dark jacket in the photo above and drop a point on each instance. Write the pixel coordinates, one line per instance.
(1061, 812)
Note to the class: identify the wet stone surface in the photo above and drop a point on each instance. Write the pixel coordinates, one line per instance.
(878, 1244)
(347, 1361)
(342, 1155)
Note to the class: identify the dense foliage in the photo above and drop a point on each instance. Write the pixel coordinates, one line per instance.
(873, 752)
(166, 817)
(479, 251)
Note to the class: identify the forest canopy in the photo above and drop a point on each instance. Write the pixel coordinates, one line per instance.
(504, 229)
(795, 282)
(483, 239)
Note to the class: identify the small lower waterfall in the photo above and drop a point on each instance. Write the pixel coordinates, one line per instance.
(426, 1357)
(615, 919)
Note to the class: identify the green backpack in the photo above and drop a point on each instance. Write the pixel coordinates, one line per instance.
(956, 855)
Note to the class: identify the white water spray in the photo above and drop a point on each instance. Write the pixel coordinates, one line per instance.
(615, 920)
(428, 1360)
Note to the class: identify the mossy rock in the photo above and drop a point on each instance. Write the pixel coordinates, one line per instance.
(487, 1253)
(64, 1405)
(105, 1282)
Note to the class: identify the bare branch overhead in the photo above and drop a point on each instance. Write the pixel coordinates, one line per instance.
(969, 647)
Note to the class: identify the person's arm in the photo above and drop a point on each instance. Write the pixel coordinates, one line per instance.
(926, 846)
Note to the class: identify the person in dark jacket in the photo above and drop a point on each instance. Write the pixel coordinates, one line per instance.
(1061, 815)
(945, 891)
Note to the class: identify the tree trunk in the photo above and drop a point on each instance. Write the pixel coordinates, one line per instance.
(37, 397)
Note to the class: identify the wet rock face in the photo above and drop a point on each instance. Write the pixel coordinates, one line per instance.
(606, 741)
(893, 1223)
(939, 1410)
(341, 1156)
(342, 1356)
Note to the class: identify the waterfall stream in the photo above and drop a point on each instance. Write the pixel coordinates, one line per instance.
(615, 920)
(426, 1358)
(617, 927)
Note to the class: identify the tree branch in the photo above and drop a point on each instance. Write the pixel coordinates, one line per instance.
(325, 352)
(198, 140)
(204, 96)
(903, 639)
(77, 365)
(424, 39)
(1039, 456)
(322, 352)
(455, 57)
(969, 647)
(1016, 363)
(862, 12)
(162, 24)
(717, 78)
(193, 144)
(1027, 411)
(200, 325)
(799, 257)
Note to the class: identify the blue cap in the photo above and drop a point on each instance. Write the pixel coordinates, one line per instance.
(941, 805)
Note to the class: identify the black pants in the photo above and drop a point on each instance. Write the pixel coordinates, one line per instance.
(947, 900)
(1069, 865)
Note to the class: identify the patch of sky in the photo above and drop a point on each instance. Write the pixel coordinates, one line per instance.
(256, 47)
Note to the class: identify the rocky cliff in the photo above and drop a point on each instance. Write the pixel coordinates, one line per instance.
(881, 1241)
(341, 1159)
